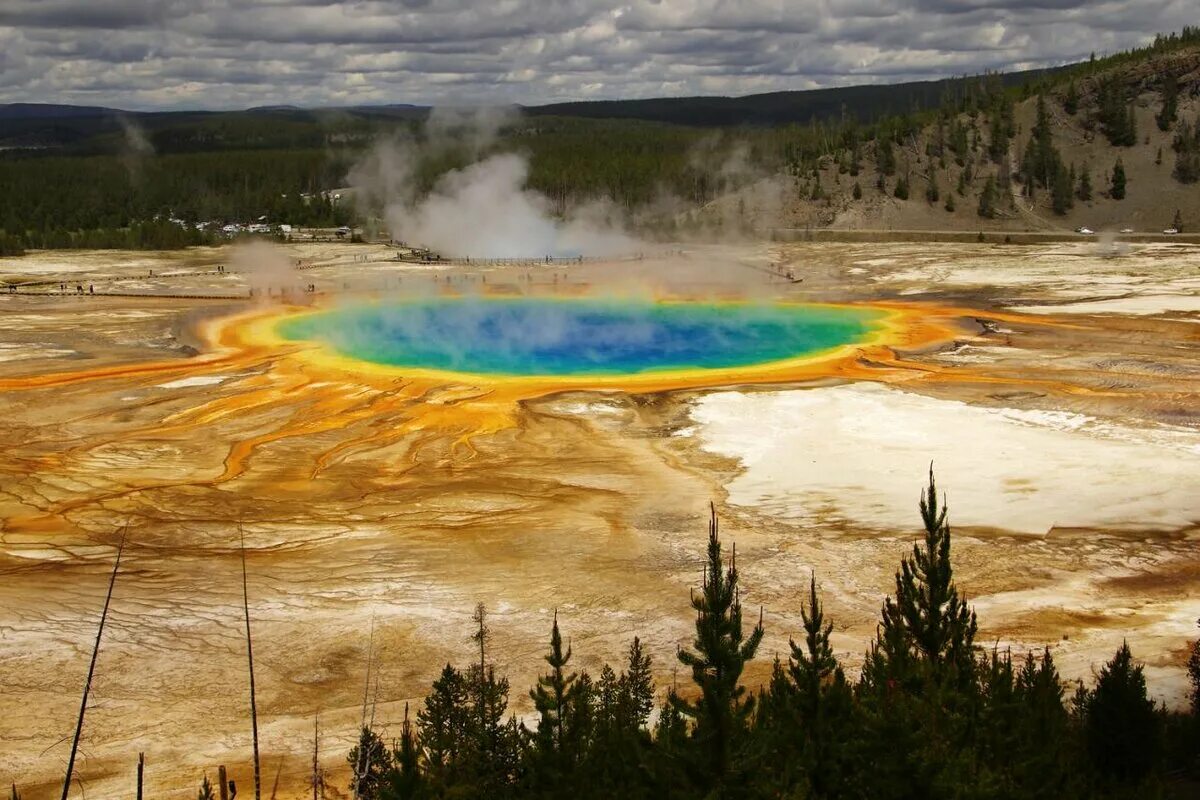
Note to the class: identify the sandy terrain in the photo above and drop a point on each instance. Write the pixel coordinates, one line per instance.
(1067, 439)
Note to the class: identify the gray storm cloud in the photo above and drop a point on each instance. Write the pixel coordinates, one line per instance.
(145, 54)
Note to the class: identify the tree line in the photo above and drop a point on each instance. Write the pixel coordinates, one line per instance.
(933, 713)
(284, 165)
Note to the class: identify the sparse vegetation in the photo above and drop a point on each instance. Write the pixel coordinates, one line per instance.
(1117, 184)
(931, 715)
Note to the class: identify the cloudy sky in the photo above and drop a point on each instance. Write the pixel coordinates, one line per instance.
(151, 54)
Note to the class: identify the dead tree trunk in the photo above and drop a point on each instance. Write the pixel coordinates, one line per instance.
(250, 658)
(87, 686)
(316, 764)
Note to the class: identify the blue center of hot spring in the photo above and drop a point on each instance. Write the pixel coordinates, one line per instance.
(539, 336)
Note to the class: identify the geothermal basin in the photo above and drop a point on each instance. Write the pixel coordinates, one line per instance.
(544, 337)
(393, 458)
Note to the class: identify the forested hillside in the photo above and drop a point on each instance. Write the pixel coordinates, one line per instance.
(1107, 144)
(1109, 141)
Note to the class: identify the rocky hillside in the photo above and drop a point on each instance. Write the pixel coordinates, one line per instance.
(943, 174)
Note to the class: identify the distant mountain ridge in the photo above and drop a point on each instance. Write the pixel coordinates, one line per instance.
(53, 111)
(770, 108)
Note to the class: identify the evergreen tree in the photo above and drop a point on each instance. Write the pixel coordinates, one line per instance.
(950, 202)
(1187, 152)
(721, 712)
(553, 693)
(406, 781)
(927, 619)
(1085, 183)
(987, 199)
(1193, 671)
(823, 702)
(901, 190)
(636, 688)
(205, 793)
(885, 157)
(1040, 756)
(1121, 726)
(445, 725)
(370, 763)
(918, 686)
(1115, 116)
(958, 142)
(932, 194)
(1117, 190)
(563, 701)
(1071, 99)
(1170, 103)
(1062, 197)
(856, 192)
(1177, 222)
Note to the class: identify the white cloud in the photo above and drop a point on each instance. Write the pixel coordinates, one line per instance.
(144, 54)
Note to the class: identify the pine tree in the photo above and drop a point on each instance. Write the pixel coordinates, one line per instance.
(205, 793)
(813, 663)
(856, 192)
(987, 199)
(901, 190)
(553, 694)
(938, 625)
(1117, 190)
(1170, 103)
(1121, 726)
(445, 724)
(721, 712)
(885, 157)
(370, 762)
(822, 699)
(1193, 670)
(950, 202)
(1040, 753)
(1085, 183)
(1177, 222)
(1071, 100)
(636, 687)
(406, 781)
(1062, 197)
(918, 687)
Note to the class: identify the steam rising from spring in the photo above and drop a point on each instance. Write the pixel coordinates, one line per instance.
(484, 209)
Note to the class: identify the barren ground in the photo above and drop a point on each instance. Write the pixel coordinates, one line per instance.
(1063, 422)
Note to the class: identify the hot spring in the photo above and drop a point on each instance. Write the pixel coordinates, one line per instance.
(578, 337)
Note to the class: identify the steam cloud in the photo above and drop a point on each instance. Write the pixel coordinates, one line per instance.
(136, 147)
(484, 209)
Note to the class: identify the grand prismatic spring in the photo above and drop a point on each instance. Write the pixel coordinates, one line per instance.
(579, 338)
(542, 440)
